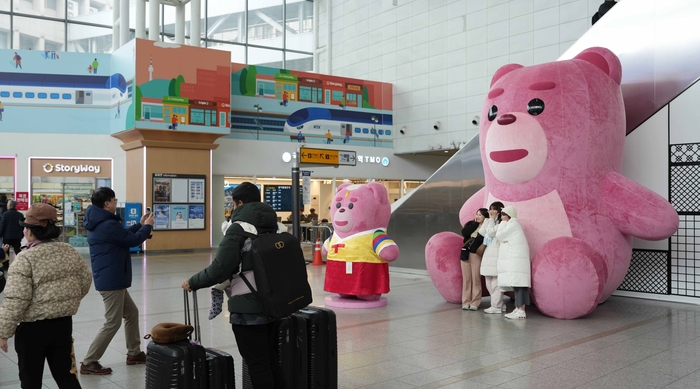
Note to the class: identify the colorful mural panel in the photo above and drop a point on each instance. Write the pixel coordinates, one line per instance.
(293, 106)
(58, 92)
(181, 88)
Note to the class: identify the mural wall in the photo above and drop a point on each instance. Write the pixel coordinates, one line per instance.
(181, 88)
(58, 92)
(292, 106)
(122, 114)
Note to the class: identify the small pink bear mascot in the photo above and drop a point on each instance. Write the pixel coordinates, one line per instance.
(360, 250)
(551, 140)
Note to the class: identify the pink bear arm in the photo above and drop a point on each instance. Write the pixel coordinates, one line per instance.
(389, 253)
(471, 206)
(636, 210)
(443, 264)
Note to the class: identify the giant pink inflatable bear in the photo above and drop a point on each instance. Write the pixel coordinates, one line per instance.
(360, 250)
(551, 141)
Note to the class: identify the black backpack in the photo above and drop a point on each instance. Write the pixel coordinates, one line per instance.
(280, 273)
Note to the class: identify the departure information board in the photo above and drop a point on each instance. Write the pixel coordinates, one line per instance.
(280, 197)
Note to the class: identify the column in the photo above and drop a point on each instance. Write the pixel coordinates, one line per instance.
(123, 21)
(180, 24)
(141, 19)
(116, 24)
(195, 22)
(217, 208)
(153, 20)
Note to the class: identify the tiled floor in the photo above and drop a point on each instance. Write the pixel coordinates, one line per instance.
(419, 340)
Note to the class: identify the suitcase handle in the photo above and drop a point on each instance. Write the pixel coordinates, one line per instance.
(188, 318)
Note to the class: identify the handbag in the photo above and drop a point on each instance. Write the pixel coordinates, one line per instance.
(464, 254)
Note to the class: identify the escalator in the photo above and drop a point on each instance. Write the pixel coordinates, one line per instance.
(658, 44)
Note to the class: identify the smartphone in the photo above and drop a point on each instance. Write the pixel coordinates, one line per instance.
(148, 210)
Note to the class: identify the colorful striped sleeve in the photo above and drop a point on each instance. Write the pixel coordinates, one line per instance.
(381, 240)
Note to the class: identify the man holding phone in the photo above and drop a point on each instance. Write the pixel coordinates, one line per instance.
(111, 270)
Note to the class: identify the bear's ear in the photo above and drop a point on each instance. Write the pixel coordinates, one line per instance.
(342, 186)
(604, 60)
(505, 69)
(379, 192)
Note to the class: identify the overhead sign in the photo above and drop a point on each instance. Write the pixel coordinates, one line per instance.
(327, 157)
(306, 194)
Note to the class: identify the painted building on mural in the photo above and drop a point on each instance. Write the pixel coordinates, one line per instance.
(278, 104)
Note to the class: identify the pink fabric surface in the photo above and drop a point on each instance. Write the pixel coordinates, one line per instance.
(442, 260)
(560, 168)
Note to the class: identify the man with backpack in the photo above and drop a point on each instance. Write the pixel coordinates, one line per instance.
(255, 332)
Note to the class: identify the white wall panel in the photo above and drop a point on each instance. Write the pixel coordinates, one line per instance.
(685, 116)
(646, 162)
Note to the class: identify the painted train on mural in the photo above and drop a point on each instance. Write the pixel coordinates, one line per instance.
(61, 89)
(278, 104)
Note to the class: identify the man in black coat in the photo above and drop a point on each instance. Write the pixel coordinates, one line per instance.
(11, 231)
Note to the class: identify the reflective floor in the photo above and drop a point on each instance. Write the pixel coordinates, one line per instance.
(419, 340)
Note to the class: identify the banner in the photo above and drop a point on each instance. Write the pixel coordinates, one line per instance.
(22, 201)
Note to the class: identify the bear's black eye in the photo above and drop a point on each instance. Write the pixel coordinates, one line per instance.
(493, 111)
(351, 205)
(338, 205)
(535, 107)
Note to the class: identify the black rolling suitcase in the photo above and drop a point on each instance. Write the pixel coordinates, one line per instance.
(186, 364)
(322, 347)
(292, 348)
(179, 365)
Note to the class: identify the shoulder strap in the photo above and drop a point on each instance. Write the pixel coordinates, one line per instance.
(250, 232)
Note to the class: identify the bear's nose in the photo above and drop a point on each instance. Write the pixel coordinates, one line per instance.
(506, 119)
(341, 210)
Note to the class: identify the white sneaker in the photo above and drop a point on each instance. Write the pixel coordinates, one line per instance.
(516, 314)
(492, 310)
(465, 307)
(504, 309)
(473, 308)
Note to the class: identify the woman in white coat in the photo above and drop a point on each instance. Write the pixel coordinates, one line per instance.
(514, 260)
(489, 262)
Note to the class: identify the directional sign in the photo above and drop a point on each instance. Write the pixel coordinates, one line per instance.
(348, 158)
(319, 156)
(327, 157)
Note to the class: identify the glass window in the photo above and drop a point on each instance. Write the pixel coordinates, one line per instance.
(237, 51)
(42, 95)
(95, 12)
(296, 61)
(5, 41)
(55, 9)
(226, 20)
(29, 95)
(269, 58)
(32, 30)
(17, 95)
(197, 116)
(179, 110)
(337, 95)
(290, 87)
(265, 23)
(54, 96)
(67, 96)
(300, 26)
(305, 93)
(5, 6)
(88, 39)
(4, 94)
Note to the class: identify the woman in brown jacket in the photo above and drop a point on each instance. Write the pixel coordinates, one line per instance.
(44, 288)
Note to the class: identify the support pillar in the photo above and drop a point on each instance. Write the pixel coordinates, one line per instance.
(153, 20)
(116, 24)
(180, 24)
(123, 21)
(195, 22)
(141, 19)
